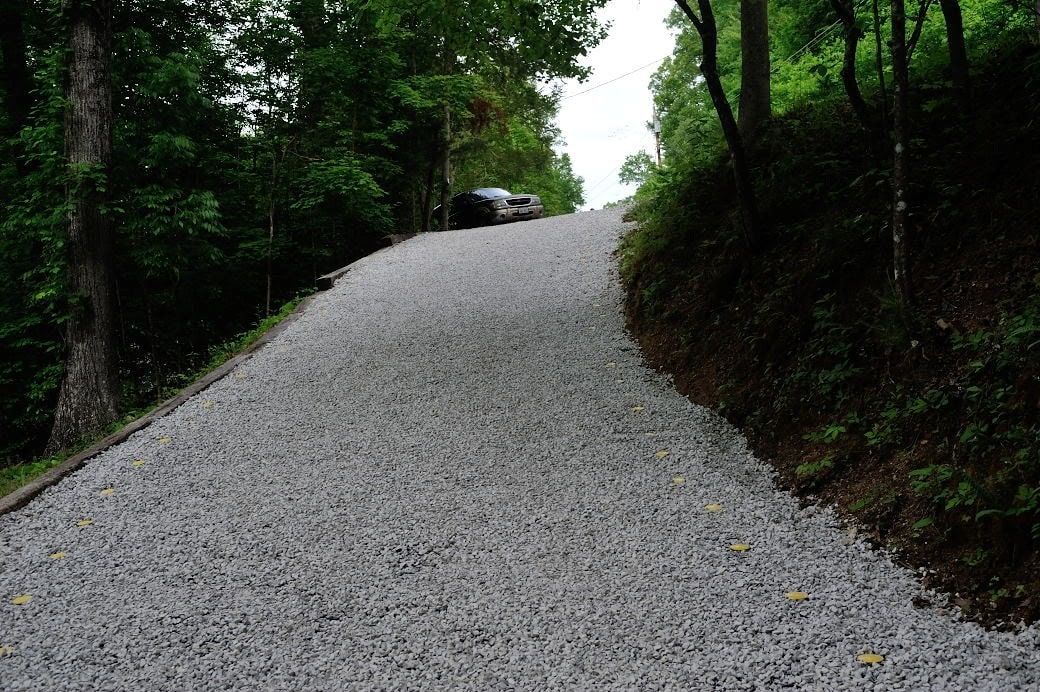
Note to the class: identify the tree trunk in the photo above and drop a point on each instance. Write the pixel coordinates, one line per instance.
(846, 12)
(900, 172)
(959, 69)
(706, 27)
(446, 169)
(17, 78)
(427, 197)
(87, 401)
(755, 104)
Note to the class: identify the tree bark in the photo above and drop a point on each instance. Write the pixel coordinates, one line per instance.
(846, 12)
(17, 78)
(900, 161)
(706, 27)
(87, 400)
(755, 104)
(427, 197)
(959, 66)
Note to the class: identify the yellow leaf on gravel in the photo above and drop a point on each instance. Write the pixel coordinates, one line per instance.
(240, 376)
(6, 651)
(165, 440)
(138, 463)
(678, 480)
(636, 409)
(207, 404)
(713, 507)
(611, 364)
(740, 547)
(21, 599)
(661, 453)
(57, 556)
(870, 658)
(107, 492)
(84, 522)
(796, 595)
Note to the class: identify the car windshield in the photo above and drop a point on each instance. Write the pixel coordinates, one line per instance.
(491, 192)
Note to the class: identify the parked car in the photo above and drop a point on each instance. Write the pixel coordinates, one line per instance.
(489, 206)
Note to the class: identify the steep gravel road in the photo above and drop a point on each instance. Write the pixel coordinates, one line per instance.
(455, 472)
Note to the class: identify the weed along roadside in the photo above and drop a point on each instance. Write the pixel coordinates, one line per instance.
(919, 425)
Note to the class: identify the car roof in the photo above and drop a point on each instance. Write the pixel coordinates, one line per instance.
(489, 192)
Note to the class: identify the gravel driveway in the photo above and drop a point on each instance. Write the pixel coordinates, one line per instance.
(454, 471)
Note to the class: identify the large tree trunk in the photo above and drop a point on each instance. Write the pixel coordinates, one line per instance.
(959, 68)
(17, 78)
(706, 27)
(900, 161)
(755, 103)
(846, 12)
(87, 401)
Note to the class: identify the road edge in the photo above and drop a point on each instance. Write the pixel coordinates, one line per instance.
(22, 496)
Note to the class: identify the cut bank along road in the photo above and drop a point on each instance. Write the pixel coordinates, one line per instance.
(454, 471)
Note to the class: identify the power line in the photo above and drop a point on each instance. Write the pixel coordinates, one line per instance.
(611, 81)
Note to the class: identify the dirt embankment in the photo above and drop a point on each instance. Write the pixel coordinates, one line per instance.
(922, 425)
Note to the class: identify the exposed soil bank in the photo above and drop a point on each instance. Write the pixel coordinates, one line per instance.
(922, 425)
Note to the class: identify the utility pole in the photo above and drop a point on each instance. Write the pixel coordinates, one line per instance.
(657, 134)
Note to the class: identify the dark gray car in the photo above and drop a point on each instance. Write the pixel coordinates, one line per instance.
(489, 206)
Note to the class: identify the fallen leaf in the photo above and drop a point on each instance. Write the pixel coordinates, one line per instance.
(636, 409)
(21, 599)
(796, 595)
(240, 376)
(713, 507)
(611, 364)
(84, 522)
(207, 404)
(6, 651)
(165, 440)
(138, 463)
(678, 480)
(57, 556)
(661, 453)
(870, 658)
(740, 547)
(107, 492)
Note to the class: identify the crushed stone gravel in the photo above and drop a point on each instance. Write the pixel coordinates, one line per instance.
(449, 474)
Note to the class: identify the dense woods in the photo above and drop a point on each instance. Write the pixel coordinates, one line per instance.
(852, 274)
(172, 172)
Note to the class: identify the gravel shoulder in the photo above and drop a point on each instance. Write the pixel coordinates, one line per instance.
(455, 471)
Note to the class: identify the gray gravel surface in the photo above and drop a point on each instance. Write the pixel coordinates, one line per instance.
(435, 478)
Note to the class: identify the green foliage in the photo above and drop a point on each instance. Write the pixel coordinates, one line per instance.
(636, 168)
(260, 144)
(815, 468)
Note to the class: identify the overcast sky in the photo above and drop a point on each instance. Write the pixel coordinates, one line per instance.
(600, 128)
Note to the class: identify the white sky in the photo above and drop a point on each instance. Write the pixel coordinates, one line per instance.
(604, 126)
